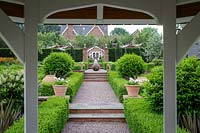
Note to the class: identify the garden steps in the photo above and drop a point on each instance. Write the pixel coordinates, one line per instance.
(98, 76)
(97, 112)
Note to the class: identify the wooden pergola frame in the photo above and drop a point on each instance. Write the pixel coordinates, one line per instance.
(162, 12)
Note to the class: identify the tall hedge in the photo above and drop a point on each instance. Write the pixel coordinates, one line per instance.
(188, 86)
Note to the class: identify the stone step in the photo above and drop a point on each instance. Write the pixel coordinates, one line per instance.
(95, 80)
(97, 117)
(92, 108)
(95, 77)
(95, 74)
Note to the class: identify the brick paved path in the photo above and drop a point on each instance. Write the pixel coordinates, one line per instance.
(96, 93)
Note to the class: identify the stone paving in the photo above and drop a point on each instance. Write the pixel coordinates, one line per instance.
(96, 93)
(96, 127)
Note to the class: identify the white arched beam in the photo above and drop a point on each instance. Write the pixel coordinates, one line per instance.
(187, 37)
(12, 35)
(48, 7)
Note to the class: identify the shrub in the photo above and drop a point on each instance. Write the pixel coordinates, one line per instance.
(53, 115)
(76, 80)
(130, 65)
(86, 65)
(59, 64)
(150, 66)
(117, 83)
(45, 89)
(188, 86)
(76, 67)
(157, 62)
(140, 119)
(12, 86)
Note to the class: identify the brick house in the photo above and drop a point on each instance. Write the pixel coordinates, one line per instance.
(71, 31)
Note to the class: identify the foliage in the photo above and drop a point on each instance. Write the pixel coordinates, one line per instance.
(86, 65)
(149, 66)
(81, 40)
(77, 66)
(12, 86)
(117, 83)
(190, 121)
(133, 82)
(2, 43)
(8, 114)
(125, 39)
(59, 64)
(157, 62)
(61, 81)
(119, 31)
(188, 86)
(49, 28)
(76, 80)
(151, 41)
(46, 40)
(45, 89)
(130, 65)
(104, 40)
(6, 52)
(140, 119)
(53, 115)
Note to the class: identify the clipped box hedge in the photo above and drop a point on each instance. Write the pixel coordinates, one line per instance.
(117, 83)
(75, 82)
(141, 119)
(52, 116)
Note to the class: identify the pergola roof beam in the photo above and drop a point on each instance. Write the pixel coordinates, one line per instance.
(187, 37)
(12, 35)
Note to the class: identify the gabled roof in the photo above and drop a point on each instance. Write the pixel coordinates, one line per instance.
(95, 47)
(82, 29)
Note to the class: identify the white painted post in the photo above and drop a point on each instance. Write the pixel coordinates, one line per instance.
(30, 92)
(169, 26)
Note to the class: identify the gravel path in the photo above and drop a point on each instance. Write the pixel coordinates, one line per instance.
(96, 127)
(96, 93)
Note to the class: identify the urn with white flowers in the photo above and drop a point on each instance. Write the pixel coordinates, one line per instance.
(133, 87)
(60, 86)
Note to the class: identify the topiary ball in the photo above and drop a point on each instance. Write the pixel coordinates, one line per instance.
(59, 64)
(130, 65)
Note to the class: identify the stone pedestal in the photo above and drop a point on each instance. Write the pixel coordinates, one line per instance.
(85, 55)
(106, 59)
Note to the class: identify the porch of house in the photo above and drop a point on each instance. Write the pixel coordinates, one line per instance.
(31, 13)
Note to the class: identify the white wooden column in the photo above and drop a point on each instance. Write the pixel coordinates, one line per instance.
(31, 57)
(169, 26)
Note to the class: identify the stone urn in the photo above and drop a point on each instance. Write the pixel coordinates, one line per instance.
(49, 79)
(133, 90)
(60, 90)
(96, 65)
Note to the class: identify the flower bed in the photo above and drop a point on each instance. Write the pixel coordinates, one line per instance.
(117, 83)
(141, 119)
(52, 117)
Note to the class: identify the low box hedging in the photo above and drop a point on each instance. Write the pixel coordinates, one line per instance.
(140, 119)
(117, 83)
(75, 82)
(52, 116)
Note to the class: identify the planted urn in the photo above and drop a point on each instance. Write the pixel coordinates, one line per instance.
(133, 87)
(60, 86)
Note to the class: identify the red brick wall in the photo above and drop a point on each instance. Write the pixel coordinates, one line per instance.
(69, 33)
(96, 32)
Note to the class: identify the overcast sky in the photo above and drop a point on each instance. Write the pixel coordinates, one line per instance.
(132, 28)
